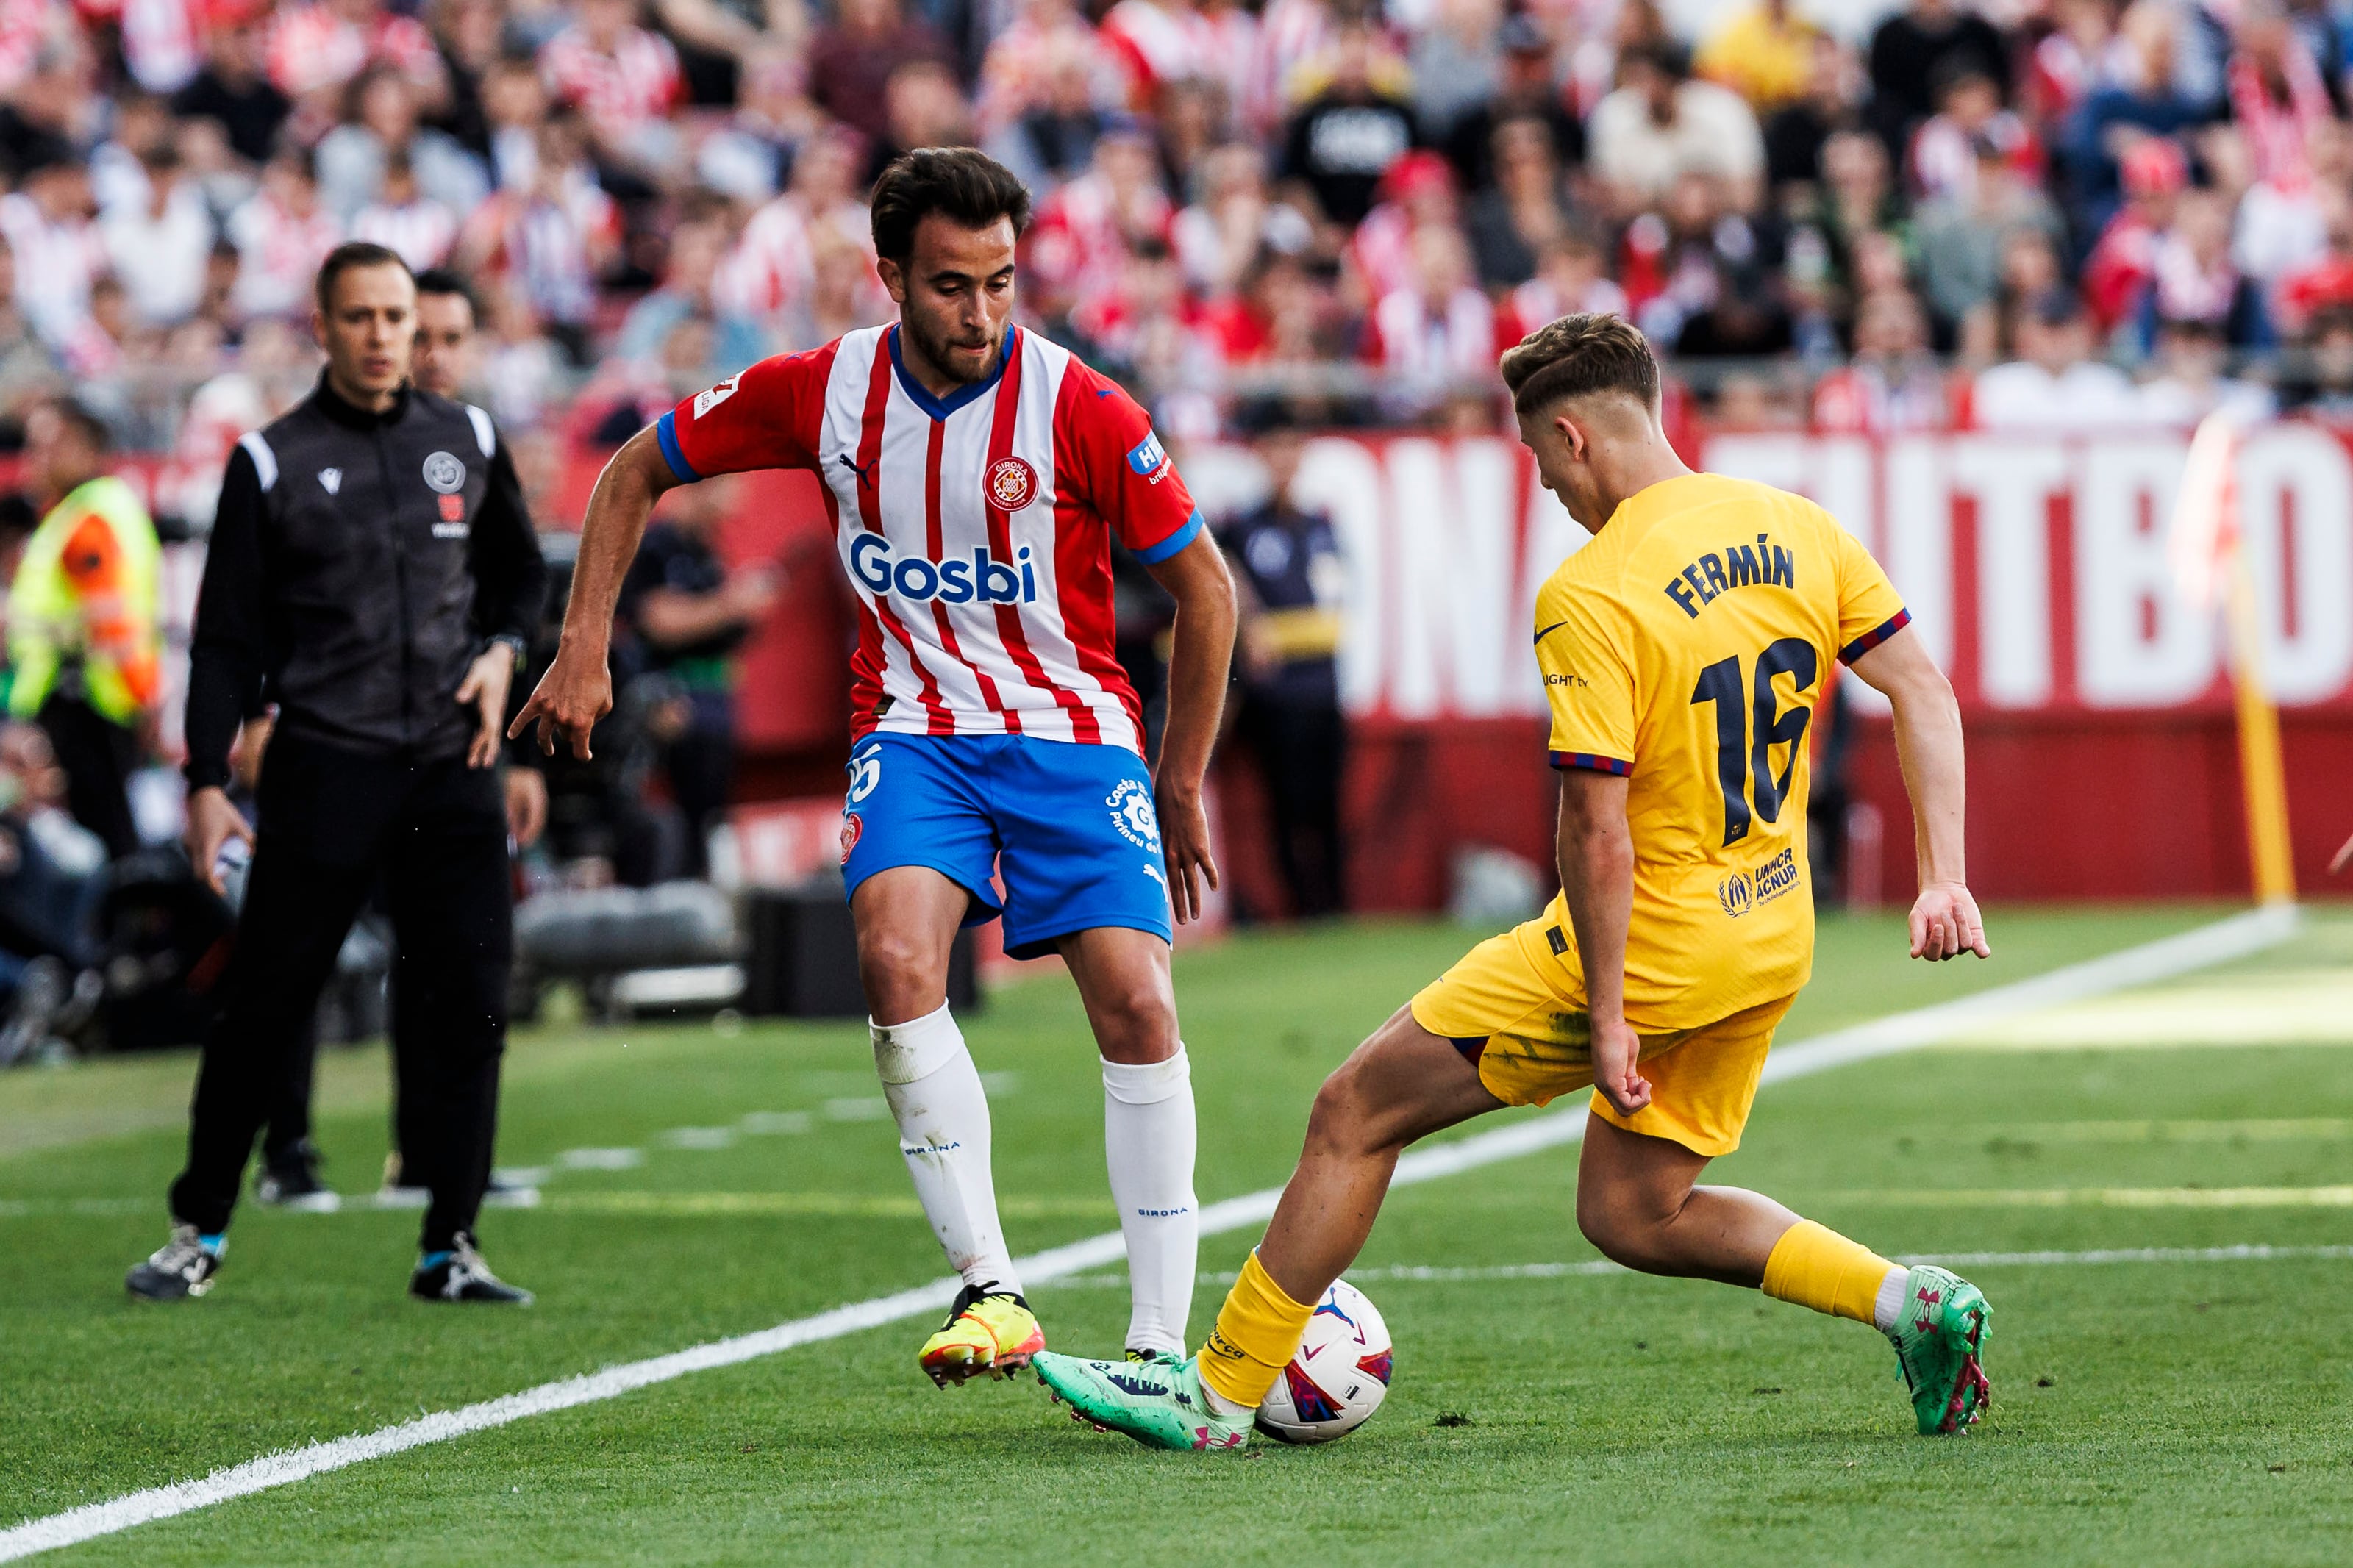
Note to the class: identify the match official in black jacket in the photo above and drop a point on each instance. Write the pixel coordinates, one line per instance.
(372, 572)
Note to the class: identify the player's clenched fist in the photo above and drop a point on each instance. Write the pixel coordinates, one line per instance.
(1616, 1072)
(1945, 924)
(574, 693)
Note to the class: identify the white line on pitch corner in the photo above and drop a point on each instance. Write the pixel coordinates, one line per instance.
(2203, 948)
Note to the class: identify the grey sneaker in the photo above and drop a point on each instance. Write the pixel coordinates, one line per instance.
(181, 1267)
(290, 1179)
(460, 1275)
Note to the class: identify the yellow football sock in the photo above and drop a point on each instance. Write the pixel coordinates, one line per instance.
(1815, 1267)
(1256, 1332)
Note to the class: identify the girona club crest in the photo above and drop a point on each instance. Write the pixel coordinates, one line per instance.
(1012, 484)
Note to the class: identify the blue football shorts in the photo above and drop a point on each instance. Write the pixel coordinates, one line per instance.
(1070, 827)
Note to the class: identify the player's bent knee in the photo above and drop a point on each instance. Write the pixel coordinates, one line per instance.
(1358, 1108)
(1339, 1123)
(1613, 1235)
(1626, 1233)
(899, 970)
(1135, 1022)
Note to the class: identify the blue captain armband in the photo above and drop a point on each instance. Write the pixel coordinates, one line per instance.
(1152, 555)
(666, 436)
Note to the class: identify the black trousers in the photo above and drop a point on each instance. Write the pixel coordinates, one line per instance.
(99, 756)
(330, 822)
(1302, 748)
(286, 1124)
(702, 767)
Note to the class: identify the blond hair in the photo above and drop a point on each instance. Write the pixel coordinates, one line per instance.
(1579, 355)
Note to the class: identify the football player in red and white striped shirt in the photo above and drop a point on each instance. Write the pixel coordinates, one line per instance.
(625, 78)
(316, 47)
(977, 475)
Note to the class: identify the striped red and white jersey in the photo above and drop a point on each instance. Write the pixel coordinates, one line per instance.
(312, 48)
(419, 232)
(638, 82)
(22, 25)
(976, 531)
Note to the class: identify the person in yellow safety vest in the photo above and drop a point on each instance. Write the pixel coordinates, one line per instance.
(84, 649)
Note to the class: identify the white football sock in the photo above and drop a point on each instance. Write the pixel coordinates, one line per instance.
(1148, 1140)
(1219, 1404)
(1888, 1305)
(943, 1115)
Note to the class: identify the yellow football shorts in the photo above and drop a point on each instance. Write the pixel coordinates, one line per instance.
(1539, 1044)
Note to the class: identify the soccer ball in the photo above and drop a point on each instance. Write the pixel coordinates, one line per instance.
(1339, 1375)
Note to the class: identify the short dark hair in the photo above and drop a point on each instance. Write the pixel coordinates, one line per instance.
(968, 187)
(443, 280)
(351, 254)
(1664, 55)
(79, 418)
(1579, 355)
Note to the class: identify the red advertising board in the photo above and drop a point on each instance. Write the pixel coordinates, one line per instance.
(2039, 571)
(2103, 756)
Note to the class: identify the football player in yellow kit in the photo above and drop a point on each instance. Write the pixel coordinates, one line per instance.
(1684, 651)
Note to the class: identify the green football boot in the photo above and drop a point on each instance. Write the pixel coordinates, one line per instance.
(1159, 1402)
(1938, 1338)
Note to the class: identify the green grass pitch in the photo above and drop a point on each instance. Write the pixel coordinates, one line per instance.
(2169, 1411)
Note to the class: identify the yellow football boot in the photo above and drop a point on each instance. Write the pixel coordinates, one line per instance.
(989, 1330)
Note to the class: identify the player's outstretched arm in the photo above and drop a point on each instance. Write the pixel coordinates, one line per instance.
(1200, 659)
(578, 689)
(1945, 921)
(1596, 853)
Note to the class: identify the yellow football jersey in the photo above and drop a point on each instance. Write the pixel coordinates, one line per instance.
(1685, 648)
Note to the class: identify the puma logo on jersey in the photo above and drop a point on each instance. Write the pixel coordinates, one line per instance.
(865, 475)
(982, 580)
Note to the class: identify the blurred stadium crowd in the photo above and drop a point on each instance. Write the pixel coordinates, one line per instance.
(2104, 208)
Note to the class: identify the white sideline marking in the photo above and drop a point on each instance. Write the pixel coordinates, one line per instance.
(2208, 945)
(2244, 1252)
(600, 1159)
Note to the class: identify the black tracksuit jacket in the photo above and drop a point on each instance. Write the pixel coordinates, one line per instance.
(359, 563)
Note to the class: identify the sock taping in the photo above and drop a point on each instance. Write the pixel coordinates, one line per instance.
(1814, 1266)
(1256, 1332)
(917, 1048)
(1146, 1083)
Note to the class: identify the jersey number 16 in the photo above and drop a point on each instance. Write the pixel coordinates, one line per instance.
(1744, 757)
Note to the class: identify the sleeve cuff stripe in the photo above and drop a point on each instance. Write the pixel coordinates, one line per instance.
(1873, 639)
(1592, 760)
(1154, 554)
(666, 434)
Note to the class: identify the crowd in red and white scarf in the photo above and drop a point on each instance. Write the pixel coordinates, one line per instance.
(2112, 211)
